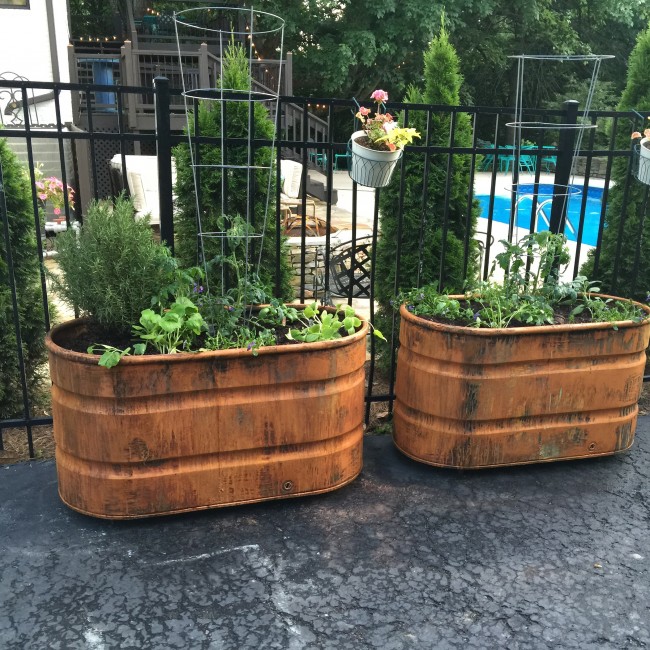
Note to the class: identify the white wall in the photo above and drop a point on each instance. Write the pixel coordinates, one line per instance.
(25, 50)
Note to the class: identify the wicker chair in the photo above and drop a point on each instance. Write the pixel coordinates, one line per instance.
(291, 173)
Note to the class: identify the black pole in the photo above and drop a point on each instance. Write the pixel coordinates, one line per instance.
(566, 143)
(4, 217)
(164, 154)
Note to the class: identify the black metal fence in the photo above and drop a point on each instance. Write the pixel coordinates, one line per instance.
(492, 160)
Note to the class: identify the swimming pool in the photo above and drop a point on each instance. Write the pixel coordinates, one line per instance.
(502, 206)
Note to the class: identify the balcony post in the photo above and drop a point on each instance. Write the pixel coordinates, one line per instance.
(164, 154)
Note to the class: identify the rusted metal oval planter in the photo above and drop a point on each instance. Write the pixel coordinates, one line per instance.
(163, 434)
(472, 398)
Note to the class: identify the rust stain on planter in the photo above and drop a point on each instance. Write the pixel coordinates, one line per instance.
(473, 398)
(138, 450)
(162, 434)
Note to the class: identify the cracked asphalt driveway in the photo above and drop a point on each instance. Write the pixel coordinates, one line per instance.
(408, 556)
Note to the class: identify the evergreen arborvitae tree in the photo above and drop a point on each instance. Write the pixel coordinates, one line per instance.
(635, 237)
(236, 75)
(20, 213)
(421, 265)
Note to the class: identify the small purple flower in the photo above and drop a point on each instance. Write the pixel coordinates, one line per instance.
(647, 298)
(250, 346)
(476, 316)
(421, 296)
(391, 302)
(410, 307)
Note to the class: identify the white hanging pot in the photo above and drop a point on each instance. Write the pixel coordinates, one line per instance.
(370, 167)
(644, 161)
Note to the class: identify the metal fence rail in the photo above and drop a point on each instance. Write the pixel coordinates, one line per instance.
(94, 145)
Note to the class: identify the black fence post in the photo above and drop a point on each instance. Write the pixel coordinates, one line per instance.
(563, 165)
(6, 233)
(164, 154)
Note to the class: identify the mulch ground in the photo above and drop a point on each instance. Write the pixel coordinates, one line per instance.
(15, 447)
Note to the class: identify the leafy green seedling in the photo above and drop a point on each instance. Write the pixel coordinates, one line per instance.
(111, 356)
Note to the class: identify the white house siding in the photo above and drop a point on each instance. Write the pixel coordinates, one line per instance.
(25, 50)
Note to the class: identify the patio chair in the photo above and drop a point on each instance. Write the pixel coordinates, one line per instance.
(549, 162)
(142, 180)
(488, 158)
(349, 269)
(290, 197)
(526, 161)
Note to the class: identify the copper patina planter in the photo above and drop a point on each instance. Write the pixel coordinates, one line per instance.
(472, 398)
(172, 433)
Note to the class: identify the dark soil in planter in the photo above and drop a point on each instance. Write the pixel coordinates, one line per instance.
(561, 317)
(366, 142)
(79, 340)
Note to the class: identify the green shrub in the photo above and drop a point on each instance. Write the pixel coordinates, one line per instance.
(20, 213)
(236, 75)
(112, 267)
(419, 262)
(620, 276)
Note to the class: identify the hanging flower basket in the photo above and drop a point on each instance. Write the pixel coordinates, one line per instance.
(370, 167)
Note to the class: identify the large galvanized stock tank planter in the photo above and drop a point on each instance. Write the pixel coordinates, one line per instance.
(473, 398)
(163, 434)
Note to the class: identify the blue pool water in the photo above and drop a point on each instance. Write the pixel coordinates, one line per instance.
(502, 205)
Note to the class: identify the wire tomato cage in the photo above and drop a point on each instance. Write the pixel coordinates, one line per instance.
(232, 98)
(519, 127)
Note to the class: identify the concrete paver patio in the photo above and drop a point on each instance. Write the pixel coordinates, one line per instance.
(407, 556)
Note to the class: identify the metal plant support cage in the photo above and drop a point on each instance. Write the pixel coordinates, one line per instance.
(519, 126)
(565, 192)
(226, 26)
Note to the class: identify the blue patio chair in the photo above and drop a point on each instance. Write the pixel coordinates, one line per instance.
(317, 158)
(337, 158)
(547, 161)
(526, 161)
(488, 159)
(506, 161)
